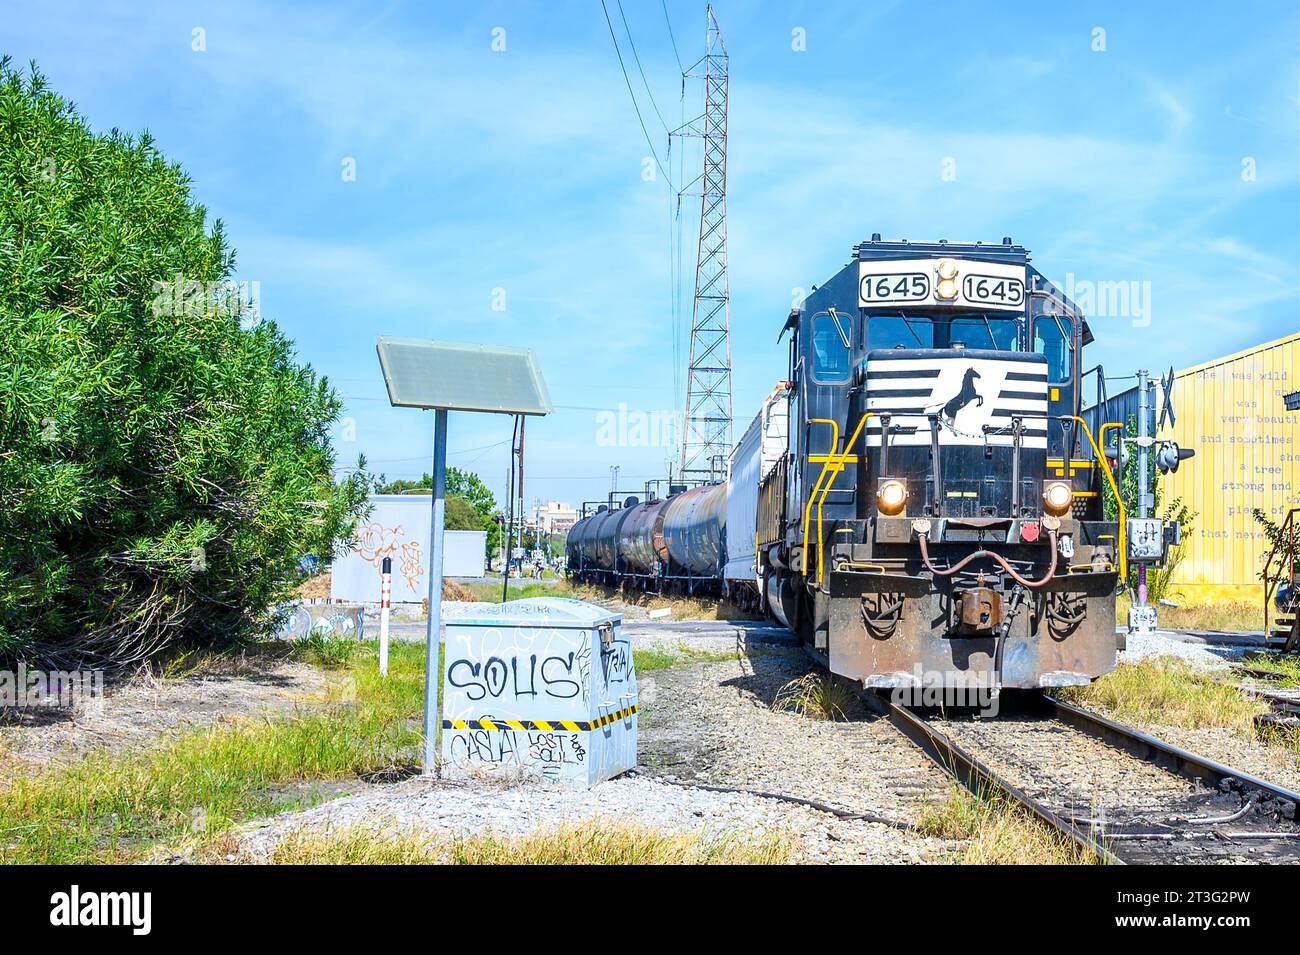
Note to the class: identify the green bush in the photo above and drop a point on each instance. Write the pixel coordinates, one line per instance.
(165, 463)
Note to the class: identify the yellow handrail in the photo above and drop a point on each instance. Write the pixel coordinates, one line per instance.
(835, 462)
(1122, 545)
(833, 466)
(841, 460)
(807, 509)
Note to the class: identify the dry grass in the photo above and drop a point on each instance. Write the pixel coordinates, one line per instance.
(1225, 617)
(1284, 667)
(997, 832)
(454, 590)
(1168, 692)
(119, 807)
(317, 588)
(815, 696)
(600, 842)
(682, 608)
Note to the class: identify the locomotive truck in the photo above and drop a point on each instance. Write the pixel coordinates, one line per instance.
(919, 500)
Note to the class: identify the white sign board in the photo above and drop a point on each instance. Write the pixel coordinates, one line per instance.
(398, 528)
(982, 286)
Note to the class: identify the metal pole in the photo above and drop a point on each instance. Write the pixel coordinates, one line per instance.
(1144, 454)
(510, 516)
(433, 639)
(385, 608)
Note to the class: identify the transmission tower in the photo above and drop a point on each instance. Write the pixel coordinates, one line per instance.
(706, 438)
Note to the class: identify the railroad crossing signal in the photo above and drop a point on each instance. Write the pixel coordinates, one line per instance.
(1169, 454)
(1167, 406)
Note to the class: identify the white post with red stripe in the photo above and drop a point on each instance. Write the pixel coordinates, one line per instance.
(385, 605)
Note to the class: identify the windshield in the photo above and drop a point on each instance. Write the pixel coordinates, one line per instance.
(830, 341)
(1052, 339)
(973, 330)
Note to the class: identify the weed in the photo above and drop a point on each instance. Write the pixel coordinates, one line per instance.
(998, 832)
(816, 696)
(1169, 692)
(112, 807)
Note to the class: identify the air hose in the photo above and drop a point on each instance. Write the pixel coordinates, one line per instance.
(995, 557)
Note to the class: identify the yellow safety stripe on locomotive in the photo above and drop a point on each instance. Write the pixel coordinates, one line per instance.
(1060, 467)
(573, 726)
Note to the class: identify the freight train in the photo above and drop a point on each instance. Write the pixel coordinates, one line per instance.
(920, 499)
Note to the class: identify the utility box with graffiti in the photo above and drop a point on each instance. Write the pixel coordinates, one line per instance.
(541, 688)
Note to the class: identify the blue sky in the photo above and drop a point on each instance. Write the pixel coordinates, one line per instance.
(1171, 157)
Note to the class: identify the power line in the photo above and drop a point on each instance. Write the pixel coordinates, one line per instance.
(637, 59)
(617, 52)
(664, 4)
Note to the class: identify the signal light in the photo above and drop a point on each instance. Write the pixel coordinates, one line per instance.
(1169, 455)
(891, 497)
(1057, 497)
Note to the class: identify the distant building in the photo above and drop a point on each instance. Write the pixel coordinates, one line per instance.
(1232, 411)
(556, 518)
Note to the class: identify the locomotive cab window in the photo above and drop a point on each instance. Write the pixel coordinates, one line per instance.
(830, 347)
(1052, 340)
(964, 330)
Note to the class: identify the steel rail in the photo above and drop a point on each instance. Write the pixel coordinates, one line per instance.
(1165, 755)
(974, 774)
(980, 778)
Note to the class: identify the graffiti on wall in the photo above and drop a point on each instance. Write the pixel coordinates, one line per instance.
(374, 542)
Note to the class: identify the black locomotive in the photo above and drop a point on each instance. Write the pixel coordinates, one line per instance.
(920, 500)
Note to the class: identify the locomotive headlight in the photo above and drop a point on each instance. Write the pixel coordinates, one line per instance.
(1057, 497)
(946, 289)
(947, 269)
(890, 497)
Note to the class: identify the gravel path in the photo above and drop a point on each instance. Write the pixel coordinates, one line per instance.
(461, 808)
(703, 723)
(1161, 643)
(713, 723)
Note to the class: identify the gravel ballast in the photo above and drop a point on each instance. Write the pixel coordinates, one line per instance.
(709, 724)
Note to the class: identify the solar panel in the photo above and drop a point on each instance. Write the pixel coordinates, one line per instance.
(460, 376)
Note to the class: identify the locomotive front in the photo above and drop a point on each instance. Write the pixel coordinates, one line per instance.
(944, 524)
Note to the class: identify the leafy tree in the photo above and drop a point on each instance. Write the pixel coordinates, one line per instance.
(460, 515)
(1284, 545)
(165, 465)
(467, 486)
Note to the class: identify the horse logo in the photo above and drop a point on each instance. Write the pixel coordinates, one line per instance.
(963, 397)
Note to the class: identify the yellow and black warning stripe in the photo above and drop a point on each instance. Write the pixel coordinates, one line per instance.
(575, 726)
(1060, 466)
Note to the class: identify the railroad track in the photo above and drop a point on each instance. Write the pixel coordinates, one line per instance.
(1203, 811)
(1189, 809)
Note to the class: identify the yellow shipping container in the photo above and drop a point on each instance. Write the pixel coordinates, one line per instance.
(1247, 446)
